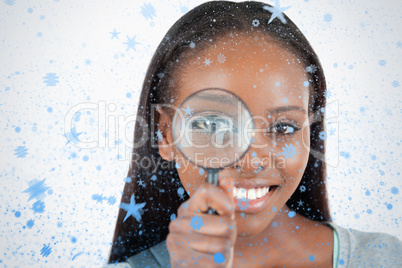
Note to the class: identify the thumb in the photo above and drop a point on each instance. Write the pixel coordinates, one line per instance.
(226, 184)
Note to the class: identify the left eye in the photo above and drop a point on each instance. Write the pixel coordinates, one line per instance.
(284, 128)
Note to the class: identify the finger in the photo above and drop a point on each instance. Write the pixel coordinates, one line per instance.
(205, 224)
(200, 244)
(209, 196)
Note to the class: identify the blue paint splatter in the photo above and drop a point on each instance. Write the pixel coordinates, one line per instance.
(17, 214)
(201, 171)
(243, 203)
(177, 165)
(219, 258)
(51, 79)
(341, 262)
(373, 157)
(85, 158)
(389, 206)
(196, 222)
(21, 151)
(368, 193)
(39, 34)
(111, 200)
(59, 224)
(285, 100)
(128, 179)
(133, 209)
(289, 151)
(37, 189)
(30, 10)
(345, 154)
(46, 250)
(369, 211)
(382, 62)
(394, 190)
(30, 223)
(328, 17)
(38, 206)
(9, 2)
(274, 224)
(357, 216)
(381, 172)
(291, 214)
(254, 154)
(395, 83)
(306, 83)
(50, 109)
(311, 258)
(180, 192)
(17, 129)
(98, 167)
(73, 239)
(148, 11)
(277, 84)
(154, 178)
(128, 95)
(273, 208)
(323, 135)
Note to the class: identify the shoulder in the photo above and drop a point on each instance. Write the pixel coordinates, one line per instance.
(365, 249)
(155, 256)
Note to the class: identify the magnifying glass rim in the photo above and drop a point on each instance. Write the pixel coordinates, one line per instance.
(181, 105)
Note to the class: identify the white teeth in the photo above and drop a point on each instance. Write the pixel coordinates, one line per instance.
(260, 192)
(241, 193)
(251, 194)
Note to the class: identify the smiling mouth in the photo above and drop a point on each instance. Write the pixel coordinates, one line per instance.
(252, 200)
(252, 193)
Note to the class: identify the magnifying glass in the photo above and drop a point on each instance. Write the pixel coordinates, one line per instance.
(213, 129)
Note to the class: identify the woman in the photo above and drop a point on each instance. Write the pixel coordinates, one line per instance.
(272, 214)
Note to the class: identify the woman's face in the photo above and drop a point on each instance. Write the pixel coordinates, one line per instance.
(272, 82)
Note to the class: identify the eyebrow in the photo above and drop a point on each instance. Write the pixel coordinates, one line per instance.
(285, 109)
(211, 97)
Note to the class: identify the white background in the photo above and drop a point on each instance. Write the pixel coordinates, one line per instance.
(358, 42)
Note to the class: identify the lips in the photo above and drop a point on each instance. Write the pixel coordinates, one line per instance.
(253, 195)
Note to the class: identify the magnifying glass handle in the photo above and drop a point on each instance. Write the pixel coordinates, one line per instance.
(213, 179)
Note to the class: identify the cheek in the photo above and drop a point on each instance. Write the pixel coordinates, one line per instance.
(191, 177)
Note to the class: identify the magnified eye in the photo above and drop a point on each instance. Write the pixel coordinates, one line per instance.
(210, 124)
(284, 129)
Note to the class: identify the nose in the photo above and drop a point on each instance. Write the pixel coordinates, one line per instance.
(255, 160)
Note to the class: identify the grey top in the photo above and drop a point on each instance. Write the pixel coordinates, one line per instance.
(355, 249)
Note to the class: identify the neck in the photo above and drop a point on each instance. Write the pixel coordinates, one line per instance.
(285, 241)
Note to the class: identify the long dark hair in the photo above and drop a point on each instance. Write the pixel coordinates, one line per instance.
(160, 183)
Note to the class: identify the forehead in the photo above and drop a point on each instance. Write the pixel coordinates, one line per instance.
(260, 71)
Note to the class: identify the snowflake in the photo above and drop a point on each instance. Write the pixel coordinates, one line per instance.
(38, 206)
(243, 203)
(111, 200)
(302, 189)
(98, 198)
(207, 62)
(289, 151)
(311, 69)
(196, 222)
(221, 58)
(256, 23)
